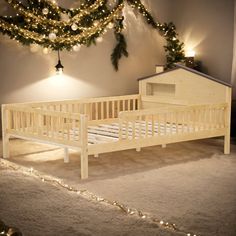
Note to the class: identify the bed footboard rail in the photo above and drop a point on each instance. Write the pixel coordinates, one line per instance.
(48, 126)
(169, 125)
(62, 129)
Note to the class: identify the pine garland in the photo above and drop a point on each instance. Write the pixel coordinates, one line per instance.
(44, 23)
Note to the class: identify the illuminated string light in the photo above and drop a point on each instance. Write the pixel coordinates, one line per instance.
(44, 23)
(90, 196)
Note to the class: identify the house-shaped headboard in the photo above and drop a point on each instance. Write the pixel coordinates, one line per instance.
(182, 86)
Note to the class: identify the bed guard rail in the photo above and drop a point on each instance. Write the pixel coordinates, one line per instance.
(60, 127)
(96, 108)
(169, 121)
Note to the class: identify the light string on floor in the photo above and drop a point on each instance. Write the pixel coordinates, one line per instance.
(91, 196)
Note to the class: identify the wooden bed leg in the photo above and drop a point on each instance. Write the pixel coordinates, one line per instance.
(84, 146)
(5, 143)
(227, 144)
(66, 155)
(163, 145)
(227, 121)
(138, 149)
(5, 136)
(84, 164)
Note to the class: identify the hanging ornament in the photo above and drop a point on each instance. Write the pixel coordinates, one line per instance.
(74, 27)
(52, 36)
(99, 39)
(111, 4)
(45, 11)
(64, 17)
(95, 23)
(61, 28)
(76, 48)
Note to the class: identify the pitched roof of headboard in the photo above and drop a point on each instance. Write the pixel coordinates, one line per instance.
(178, 66)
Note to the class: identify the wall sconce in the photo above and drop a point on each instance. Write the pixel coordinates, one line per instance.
(189, 58)
(59, 67)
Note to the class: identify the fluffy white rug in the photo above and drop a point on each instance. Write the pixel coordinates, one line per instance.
(191, 184)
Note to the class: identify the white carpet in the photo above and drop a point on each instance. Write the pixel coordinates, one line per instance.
(191, 184)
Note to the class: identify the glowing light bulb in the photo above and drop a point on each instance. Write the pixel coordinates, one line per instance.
(99, 39)
(110, 25)
(76, 48)
(190, 53)
(45, 11)
(45, 50)
(74, 27)
(52, 36)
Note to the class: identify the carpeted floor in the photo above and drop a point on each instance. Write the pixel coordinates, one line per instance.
(190, 184)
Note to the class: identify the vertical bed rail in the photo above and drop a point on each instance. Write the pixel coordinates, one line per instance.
(100, 108)
(174, 121)
(105, 108)
(46, 126)
(228, 120)
(63, 129)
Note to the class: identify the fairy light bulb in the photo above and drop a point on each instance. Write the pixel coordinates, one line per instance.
(45, 50)
(52, 36)
(99, 39)
(45, 11)
(74, 27)
(76, 48)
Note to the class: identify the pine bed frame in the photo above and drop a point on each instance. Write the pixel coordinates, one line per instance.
(106, 124)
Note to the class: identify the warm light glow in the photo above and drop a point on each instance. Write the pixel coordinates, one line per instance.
(59, 71)
(190, 53)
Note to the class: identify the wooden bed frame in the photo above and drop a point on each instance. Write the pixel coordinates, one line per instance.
(106, 124)
(100, 125)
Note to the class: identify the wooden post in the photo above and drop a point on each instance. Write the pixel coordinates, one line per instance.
(84, 145)
(5, 136)
(227, 121)
(66, 155)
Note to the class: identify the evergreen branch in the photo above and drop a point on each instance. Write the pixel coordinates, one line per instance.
(119, 50)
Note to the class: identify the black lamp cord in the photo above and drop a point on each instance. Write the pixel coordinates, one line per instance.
(58, 53)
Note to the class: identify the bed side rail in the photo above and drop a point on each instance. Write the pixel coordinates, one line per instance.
(169, 121)
(96, 108)
(49, 126)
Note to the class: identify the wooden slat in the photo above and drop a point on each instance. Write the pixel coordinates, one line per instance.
(102, 110)
(107, 110)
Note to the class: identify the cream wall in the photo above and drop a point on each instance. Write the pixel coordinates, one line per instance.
(27, 76)
(207, 26)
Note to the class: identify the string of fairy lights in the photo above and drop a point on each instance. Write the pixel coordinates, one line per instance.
(45, 24)
(93, 197)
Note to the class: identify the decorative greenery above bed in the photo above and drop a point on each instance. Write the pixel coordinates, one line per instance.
(44, 23)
